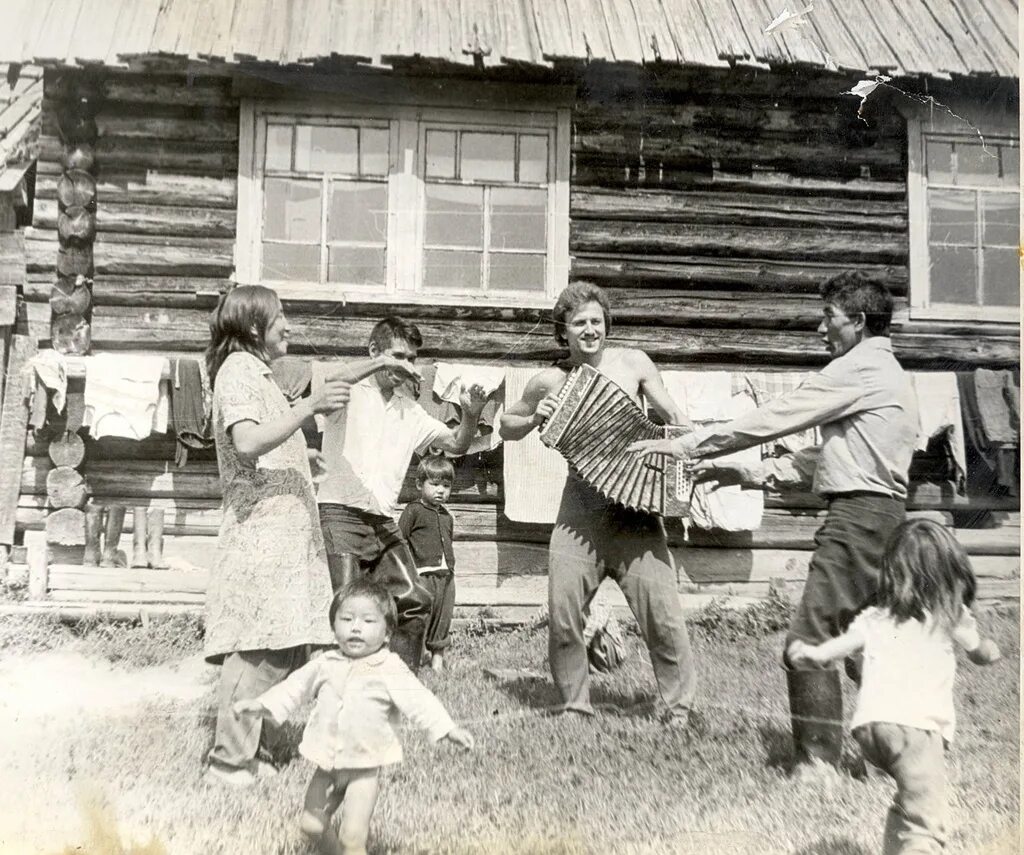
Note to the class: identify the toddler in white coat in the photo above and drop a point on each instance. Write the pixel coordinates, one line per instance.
(360, 689)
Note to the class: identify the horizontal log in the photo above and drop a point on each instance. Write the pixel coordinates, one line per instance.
(157, 292)
(132, 478)
(132, 254)
(115, 217)
(65, 488)
(829, 245)
(140, 187)
(104, 596)
(780, 528)
(148, 89)
(835, 156)
(162, 122)
(71, 577)
(187, 156)
(593, 172)
(723, 115)
(66, 527)
(710, 207)
(116, 328)
(763, 274)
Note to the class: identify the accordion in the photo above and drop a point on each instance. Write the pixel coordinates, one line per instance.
(594, 423)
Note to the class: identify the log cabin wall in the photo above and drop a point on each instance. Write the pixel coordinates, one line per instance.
(709, 207)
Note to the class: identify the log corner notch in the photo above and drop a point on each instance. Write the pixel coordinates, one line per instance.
(71, 296)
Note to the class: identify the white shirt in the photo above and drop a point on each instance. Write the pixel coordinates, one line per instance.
(909, 669)
(368, 445)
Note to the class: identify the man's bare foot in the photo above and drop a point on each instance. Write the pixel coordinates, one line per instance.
(437, 662)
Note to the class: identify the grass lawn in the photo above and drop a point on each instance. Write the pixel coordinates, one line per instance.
(103, 737)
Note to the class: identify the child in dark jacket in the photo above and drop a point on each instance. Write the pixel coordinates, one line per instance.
(427, 527)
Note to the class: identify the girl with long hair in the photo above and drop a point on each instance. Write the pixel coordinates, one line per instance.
(269, 590)
(904, 718)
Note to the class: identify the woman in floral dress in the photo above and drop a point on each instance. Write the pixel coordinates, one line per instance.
(269, 591)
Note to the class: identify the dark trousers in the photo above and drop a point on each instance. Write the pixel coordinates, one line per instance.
(442, 588)
(244, 675)
(593, 539)
(360, 544)
(843, 575)
(842, 579)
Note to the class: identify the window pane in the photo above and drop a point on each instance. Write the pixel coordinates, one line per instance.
(355, 265)
(974, 165)
(518, 272)
(488, 157)
(1010, 158)
(451, 271)
(279, 147)
(455, 216)
(533, 159)
(518, 218)
(440, 154)
(358, 212)
(954, 274)
(373, 151)
(291, 261)
(1002, 277)
(1001, 212)
(291, 210)
(320, 148)
(939, 156)
(951, 217)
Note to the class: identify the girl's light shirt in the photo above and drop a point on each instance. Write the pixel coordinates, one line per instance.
(909, 669)
(354, 723)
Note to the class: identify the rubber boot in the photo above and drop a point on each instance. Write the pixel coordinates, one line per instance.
(407, 642)
(112, 535)
(139, 558)
(816, 707)
(93, 527)
(155, 538)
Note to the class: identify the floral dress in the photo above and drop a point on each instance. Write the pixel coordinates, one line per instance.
(270, 588)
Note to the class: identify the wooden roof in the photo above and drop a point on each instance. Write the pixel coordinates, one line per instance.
(20, 105)
(900, 37)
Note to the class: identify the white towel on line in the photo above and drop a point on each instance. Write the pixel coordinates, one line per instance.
(126, 396)
(534, 473)
(939, 411)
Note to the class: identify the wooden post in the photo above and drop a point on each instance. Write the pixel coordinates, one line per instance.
(13, 427)
(38, 564)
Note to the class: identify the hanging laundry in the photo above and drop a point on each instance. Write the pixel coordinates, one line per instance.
(534, 473)
(52, 371)
(706, 397)
(449, 378)
(938, 398)
(766, 386)
(125, 396)
(292, 374)
(992, 466)
(189, 415)
(998, 405)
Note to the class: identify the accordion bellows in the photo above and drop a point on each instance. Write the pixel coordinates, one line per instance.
(593, 425)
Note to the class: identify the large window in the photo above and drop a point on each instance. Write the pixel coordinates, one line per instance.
(964, 222)
(405, 203)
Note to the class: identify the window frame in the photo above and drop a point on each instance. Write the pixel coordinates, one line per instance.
(408, 115)
(996, 127)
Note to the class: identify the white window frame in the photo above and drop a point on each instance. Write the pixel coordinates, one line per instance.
(923, 124)
(408, 112)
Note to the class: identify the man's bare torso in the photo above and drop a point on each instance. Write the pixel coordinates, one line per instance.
(616, 364)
